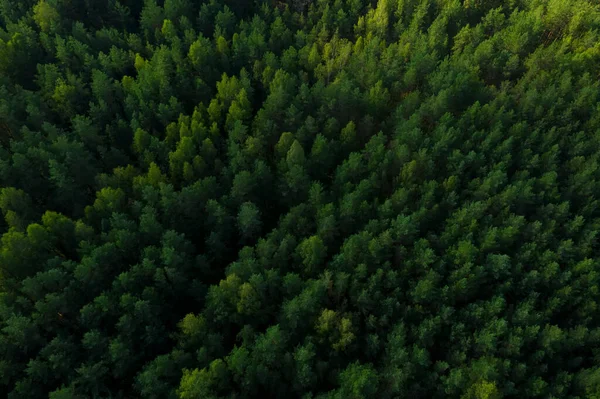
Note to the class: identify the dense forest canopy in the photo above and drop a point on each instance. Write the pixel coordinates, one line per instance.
(304, 199)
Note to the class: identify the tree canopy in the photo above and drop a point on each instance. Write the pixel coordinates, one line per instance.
(304, 198)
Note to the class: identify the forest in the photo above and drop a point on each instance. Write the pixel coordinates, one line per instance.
(313, 199)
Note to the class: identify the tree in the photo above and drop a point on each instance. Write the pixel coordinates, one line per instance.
(45, 15)
(313, 252)
(482, 390)
(206, 383)
(249, 220)
(357, 381)
(17, 208)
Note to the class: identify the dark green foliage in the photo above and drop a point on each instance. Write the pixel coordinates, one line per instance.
(313, 199)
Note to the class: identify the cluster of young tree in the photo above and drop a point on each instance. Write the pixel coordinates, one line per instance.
(315, 199)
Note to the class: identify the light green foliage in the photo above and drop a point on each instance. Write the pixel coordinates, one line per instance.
(482, 390)
(313, 252)
(295, 155)
(203, 383)
(45, 15)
